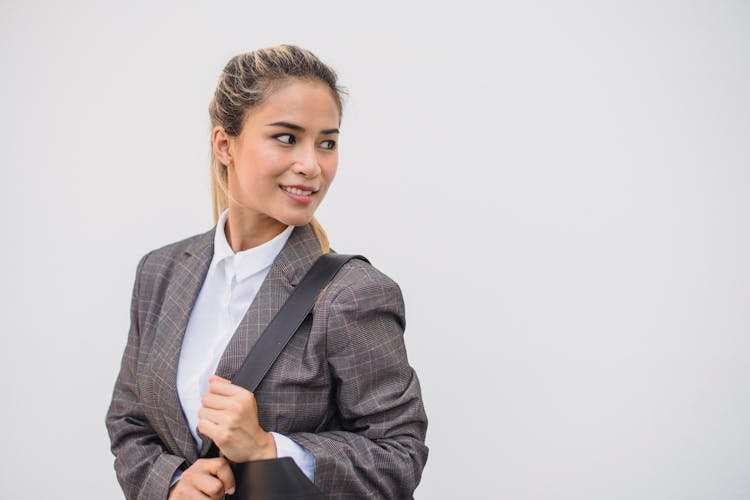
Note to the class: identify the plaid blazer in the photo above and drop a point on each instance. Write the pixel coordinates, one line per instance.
(342, 388)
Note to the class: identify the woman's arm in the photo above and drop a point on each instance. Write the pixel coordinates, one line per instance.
(143, 468)
(379, 451)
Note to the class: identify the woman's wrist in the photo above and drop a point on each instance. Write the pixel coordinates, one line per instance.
(266, 447)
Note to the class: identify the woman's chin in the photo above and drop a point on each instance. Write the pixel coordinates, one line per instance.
(296, 219)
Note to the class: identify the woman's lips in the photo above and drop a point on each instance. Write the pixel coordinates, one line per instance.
(299, 193)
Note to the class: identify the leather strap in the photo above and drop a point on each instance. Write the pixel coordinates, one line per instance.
(293, 312)
(282, 327)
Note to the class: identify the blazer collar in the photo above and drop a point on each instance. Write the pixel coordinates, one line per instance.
(298, 254)
(201, 247)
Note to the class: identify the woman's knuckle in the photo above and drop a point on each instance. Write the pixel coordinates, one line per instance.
(225, 435)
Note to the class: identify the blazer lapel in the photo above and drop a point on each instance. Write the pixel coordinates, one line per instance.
(187, 278)
(299, 253)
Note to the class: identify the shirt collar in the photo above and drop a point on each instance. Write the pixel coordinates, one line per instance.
(244, 264)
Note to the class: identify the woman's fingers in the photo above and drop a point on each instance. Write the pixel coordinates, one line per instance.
(238, 401)
(218, 480)
(217, 417)
(209, 485)
(206, 478)
(223, 436)
(214, 377)
(221, 402)
(215, 401)
(211, 429)
(224, 473)
(223, 387)
(229, 416)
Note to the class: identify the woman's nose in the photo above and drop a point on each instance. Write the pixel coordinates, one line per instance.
(306, 162)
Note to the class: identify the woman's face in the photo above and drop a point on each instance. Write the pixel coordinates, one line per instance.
(285, 158)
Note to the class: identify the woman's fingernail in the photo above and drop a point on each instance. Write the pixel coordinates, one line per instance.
(230, 491)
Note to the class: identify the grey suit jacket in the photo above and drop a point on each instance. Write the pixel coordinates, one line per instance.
(342, 388)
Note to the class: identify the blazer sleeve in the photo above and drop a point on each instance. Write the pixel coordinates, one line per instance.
(144, 469)
(378, 450)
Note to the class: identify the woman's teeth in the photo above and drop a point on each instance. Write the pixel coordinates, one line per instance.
(296, 191)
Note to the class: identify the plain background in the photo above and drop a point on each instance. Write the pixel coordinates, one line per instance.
(560, 188)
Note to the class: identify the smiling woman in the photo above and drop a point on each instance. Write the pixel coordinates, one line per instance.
(280, 166)
(341, 399)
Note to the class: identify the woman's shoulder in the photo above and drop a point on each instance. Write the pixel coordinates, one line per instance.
(188, 245)
(360, 304)
(161, 261)
(359, 279)
(357, 271)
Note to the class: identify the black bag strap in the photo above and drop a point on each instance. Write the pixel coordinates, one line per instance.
(282, 327)
(293, 312)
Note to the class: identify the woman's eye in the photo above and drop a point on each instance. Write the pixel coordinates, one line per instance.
(285, 138)
(329, 144)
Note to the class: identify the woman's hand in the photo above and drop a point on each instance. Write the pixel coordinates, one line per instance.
(207, 476)
(229, 416)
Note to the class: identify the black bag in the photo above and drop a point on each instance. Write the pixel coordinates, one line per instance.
(279, 478)
(274, 479)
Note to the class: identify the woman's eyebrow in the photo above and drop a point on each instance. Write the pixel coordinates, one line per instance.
(301, 129)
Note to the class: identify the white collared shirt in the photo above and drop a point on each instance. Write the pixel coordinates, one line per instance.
(231, 284)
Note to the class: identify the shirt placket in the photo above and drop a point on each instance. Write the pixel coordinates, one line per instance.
(230, 283)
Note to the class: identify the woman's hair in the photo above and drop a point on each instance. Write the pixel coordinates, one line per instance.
(246, 81)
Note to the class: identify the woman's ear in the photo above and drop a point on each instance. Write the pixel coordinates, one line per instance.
(220, 145)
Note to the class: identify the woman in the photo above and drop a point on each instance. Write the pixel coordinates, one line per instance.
(341, 399)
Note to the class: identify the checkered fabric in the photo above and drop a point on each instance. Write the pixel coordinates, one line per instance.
(342, 388)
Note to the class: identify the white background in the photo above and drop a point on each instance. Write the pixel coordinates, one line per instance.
(560, 188)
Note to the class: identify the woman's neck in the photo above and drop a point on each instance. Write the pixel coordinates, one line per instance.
(248, 230)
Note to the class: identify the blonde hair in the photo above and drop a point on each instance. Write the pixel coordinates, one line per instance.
(245, 82)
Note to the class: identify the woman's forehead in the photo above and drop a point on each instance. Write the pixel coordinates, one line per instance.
(310, 102)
